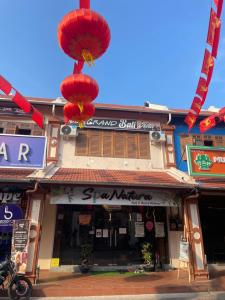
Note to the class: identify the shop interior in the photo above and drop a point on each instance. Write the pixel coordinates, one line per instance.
(212, 215)
(115, 234)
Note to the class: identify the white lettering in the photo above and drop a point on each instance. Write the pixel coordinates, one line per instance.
(3, 151)
(23, 151)
(219, 159)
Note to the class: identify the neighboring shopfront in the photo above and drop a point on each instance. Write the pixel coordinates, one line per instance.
(207, 165)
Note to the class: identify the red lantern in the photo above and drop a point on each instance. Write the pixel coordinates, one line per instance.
(84, 35)
(80, 89)
(72, 112)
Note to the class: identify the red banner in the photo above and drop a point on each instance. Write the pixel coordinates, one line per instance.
(196, 105)
(190, 120)
(214, 23)
(5, 86)
(208, 62)
(207, 123)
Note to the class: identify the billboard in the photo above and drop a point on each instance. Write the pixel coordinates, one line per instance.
(22, 151)
(206, 161)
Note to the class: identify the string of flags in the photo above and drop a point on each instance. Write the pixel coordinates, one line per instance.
(213, 38)
(21, 101)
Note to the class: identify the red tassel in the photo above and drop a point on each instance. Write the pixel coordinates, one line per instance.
(22, 102)
(196, 105)
(5, 86)
(37, 117)
(208, 62)
(214, 23)
(190, 120)
(202, 87)
(216, 41)
(85, 4)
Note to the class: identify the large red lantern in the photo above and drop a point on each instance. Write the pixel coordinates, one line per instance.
(80, 89)
(84, 35)
(72, 112)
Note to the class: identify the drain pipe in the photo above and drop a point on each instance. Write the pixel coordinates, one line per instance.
(169, 119)
(34, 189)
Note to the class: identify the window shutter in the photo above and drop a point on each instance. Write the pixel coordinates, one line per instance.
(82, 143)
(144, 146)
(107, 141)
(185, 139)
(119, 144)
(95, 143)
(11, 128)
(132, 145)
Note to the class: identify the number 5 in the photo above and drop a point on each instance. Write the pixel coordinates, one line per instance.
(9, 213)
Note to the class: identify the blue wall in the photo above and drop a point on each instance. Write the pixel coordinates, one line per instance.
(181, 128)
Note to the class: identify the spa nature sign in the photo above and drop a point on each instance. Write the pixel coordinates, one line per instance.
(20, 151)
(112, 196)
(206, 161)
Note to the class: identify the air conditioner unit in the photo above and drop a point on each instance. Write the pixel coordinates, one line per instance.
(157, 136)
(68, 130)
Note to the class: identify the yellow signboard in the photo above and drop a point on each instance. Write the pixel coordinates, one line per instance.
(54, 262)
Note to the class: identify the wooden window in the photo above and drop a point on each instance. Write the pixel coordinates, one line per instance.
(185, 139)
(106, 143)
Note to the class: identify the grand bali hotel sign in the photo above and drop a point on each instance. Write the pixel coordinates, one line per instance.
(112, 196)
(206, 161)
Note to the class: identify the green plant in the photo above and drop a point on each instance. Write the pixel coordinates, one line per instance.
(85, 253)
(147, 254)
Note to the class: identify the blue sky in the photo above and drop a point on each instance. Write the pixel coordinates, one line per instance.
(155, 54)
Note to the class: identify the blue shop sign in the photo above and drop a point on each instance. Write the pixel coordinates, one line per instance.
(8, 213)
(20, 151)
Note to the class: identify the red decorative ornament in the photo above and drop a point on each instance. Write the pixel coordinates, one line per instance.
(84, 35)
(72, 112)
(79, 89)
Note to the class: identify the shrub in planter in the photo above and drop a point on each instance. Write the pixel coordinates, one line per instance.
(85, 254)
(147, 256)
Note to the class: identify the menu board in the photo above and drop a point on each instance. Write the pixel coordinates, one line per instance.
(139, 229)
(20, 242)
(184, 251)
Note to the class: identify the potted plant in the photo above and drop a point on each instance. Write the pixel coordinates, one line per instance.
(147, 256)
(85, 253)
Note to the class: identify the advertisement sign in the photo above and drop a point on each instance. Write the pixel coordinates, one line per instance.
(112, 196)
(8, 213)
(121, 124)
(22, 151)
(184, 251)
(139, 229)
(20, 242)
(206, 161)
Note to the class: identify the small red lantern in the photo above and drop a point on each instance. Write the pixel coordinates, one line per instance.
(80, 89)
(72, 112)
(84, 35)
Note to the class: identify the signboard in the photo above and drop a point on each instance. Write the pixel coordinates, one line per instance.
(12, 111)
(139, 229)
(184, 251)
(20, 242)
(10, 197)
(159, 230)
(20, 151)
(8, 213)
(121, 124)
(206, 161)
(112, 196)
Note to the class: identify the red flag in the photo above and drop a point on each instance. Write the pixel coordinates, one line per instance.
(219, 5)
(37, 117)
(202, 87)
(214, 23)
(5, 86)
(216, 41)
(22, 102)
(209, 77)
(208, 62)
(190, 120)
(196, 105)
(207, 123)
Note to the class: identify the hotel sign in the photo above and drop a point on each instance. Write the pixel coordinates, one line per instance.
(112, 196)
(22, 151)
(122, 124)
(206, 161)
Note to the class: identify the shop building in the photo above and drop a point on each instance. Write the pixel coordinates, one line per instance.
(209, 196)
(112, 185)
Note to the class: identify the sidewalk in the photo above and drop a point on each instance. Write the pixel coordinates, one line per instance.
(55, 284)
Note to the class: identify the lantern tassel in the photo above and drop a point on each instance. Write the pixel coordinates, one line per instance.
(81, 124)
(88, 57)
(81, 106)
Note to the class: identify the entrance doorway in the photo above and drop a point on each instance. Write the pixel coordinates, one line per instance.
(114, 233)
(212, 215)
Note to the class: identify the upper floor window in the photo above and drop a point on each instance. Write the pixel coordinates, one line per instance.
(23, 131)
(1, 130)
(107, 143)
(200, 140)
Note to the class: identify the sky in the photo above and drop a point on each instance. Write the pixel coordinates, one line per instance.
(155, 54)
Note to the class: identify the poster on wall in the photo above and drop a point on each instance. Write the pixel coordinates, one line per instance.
(184, 251)
(139, 229)
(20, 243)
(159, 230)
